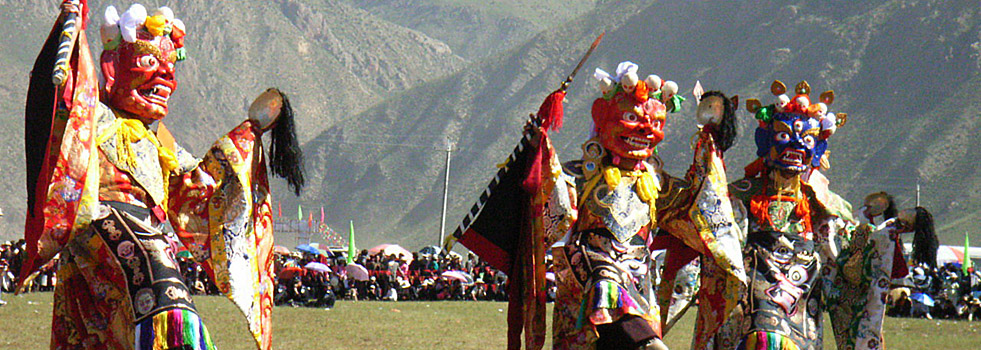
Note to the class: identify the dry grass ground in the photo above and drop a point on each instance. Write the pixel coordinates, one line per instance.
(25, 324)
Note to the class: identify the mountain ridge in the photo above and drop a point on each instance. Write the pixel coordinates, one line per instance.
(862, 51)
(378, 89)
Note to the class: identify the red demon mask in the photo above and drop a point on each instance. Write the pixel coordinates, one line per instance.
(627, 127)
(140, 75)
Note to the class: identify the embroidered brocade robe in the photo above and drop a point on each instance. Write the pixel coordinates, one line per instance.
(601, 271)
(798, 267)
(119, 285)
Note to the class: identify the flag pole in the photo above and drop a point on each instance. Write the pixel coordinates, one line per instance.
(446, 190)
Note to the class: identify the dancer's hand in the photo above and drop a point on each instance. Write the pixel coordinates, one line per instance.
(69, 6)
(656, 344)
(905, 221)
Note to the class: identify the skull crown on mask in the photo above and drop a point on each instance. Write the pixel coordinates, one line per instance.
(793, 132)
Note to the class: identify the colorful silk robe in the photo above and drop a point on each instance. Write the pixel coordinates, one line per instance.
(122, 267)
(856, 299)
(796, 272)
(595, 268)
(105, 185)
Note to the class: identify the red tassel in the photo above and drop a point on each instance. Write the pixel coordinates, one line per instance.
(803, 211)
(550, 113)
(899, 267)
(85, 14)
(759, 207)
(756, 168)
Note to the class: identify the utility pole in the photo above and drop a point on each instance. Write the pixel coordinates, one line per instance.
(917, 192)
(446, 188)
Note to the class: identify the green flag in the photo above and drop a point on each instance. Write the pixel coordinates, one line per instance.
(299, 212)
(966, 264)
(350, 245)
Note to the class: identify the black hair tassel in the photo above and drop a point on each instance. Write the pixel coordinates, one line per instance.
(285, 156)
(725, 133)
(925, 242)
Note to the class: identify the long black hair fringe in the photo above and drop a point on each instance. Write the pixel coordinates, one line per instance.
(285, 156)
(925, 242)
(725, 133)
(891, 210)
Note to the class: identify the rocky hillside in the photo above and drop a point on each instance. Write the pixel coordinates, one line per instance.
(904, 71)
(477, 29)
(380, 85)
(334, 60)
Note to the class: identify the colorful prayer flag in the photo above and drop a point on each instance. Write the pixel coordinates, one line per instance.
(350, 245)
(966, 264)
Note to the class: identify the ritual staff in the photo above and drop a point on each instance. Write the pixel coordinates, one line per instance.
(105, 177)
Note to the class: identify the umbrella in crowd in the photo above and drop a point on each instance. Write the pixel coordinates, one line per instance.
(357, 272)
(923, 298)
(324, 252)
(430, 250)
(458, 275)
(281, 250)
(289, 272)
(391, 249)
(316, 266)
(313, 248)
(309, 249)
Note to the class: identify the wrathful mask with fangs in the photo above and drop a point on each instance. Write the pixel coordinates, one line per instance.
(140, 76)
(157, 94)
(628, 128)
(791, 141)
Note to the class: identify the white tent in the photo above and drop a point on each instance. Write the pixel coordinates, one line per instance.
(949, 253)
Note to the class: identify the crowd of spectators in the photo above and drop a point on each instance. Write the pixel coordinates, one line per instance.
(12, 257)
(415, 276)
(389, 277)
(943, 292)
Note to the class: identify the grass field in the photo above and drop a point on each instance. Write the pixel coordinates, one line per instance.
(25, 323)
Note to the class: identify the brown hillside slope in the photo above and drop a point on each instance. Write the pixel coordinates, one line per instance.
(905, 71)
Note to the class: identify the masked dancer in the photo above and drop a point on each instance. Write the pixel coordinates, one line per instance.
(105, 176)
(804, 252)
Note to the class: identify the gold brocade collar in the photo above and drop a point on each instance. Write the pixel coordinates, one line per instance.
(133, 148)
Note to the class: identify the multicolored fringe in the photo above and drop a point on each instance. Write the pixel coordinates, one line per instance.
(607, 294)
(760, 340)
(171, 329)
